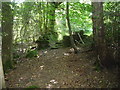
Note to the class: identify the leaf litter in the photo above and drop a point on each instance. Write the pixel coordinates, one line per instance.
(61, 68)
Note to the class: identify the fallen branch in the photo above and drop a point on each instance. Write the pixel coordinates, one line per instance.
(80, 38)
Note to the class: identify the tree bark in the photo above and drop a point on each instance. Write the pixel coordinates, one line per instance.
(98, 32)
(7, 36)
(70, 31)
(2, 80)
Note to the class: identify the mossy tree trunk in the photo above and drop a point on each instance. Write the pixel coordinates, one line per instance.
(7, 36)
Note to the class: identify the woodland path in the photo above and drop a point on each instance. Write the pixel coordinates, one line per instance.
(60, 68)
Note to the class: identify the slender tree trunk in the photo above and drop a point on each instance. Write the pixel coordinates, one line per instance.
(40, 18)
(53, 6)
(52, 17)
(7, 25)
(70, 31)
(44, 19)
(98, 32)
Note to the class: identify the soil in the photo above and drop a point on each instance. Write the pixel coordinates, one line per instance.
(61, 68)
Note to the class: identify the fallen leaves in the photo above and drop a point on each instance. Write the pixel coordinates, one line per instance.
(59, 69)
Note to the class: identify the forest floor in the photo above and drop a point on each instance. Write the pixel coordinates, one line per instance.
(60, 68)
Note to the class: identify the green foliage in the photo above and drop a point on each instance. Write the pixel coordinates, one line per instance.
(83, 16)
(44, 37)
(88, 32)
(32, 20)
(111, 17)
(80, 21)
(32, 53)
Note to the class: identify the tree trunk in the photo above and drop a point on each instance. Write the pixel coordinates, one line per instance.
(98, 32)
(53, 6)
(2, 80)
(51, 16)
(7, 25)
(70, 31)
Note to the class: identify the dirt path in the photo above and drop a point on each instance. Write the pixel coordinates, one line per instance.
(58, 69)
